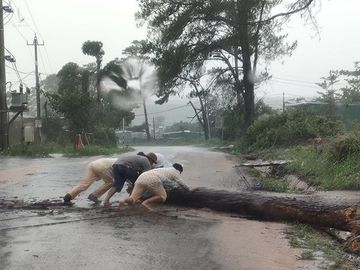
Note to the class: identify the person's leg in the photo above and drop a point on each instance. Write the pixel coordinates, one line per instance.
(158, 197)
(137, 192)
(103, 189)
(87, 181)
(119, 173)
(131, 175)
(153, 199)
(123, 202)
(108, 183)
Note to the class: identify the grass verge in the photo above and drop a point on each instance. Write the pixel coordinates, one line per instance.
(269, 183)
(318, 169)
(314, 242)
(68, 150)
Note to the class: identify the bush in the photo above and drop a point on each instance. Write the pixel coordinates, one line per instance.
(289, 128)
(104, 136)
(53, 128)
(345, 146)
(32, 150)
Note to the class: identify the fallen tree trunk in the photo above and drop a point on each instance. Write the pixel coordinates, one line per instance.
(318, 209)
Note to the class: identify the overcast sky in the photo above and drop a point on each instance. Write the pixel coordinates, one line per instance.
(64, 25)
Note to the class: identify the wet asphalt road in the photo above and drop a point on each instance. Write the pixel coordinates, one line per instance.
(88, 237)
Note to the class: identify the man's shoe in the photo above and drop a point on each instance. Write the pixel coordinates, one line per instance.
(67, 198)
(93, 198)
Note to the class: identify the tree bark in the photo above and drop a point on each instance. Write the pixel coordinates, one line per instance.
(244, 8)
(318, 210)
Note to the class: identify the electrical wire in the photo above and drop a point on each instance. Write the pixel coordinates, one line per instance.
(297, 84)
(33, 21)
(38, 31)
(22, 72)
(14, 65)
(9, 15)
(293, 80)
(168, 110)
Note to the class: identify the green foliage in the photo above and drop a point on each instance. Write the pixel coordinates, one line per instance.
(138, 48)
(304, 236)
(307, 255)
(186, 35)
(104, 136)
(95, 150)
(53, 128)
(94, 48)
(348, 94)
(318, 169)
(73, 100)
(31, 150)
(274, 185)
(70, 79)
(50, 83)
(351, 92)
(76, 107)
(344, 147)
(289, 128)
(234, 125)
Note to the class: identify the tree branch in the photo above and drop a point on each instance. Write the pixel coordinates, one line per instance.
(283, 14)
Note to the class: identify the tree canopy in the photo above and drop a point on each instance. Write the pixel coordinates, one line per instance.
(231, 35)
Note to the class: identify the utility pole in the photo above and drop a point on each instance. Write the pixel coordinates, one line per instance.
(3, 106)
(123, 126)
(283, 102)
(146, 121)
(38, 124)
(154, 126)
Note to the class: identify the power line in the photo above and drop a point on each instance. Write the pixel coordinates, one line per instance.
(297, 84)
(20, 79)
(24, 38)
(38, 31)
(21, 34)
(22, 72)
(8, 15)
(32, 19)
(293, 80)
(13, 62)
(172, 109)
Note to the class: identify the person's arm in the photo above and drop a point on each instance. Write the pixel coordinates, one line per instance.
(110, 193)
(181, 183)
